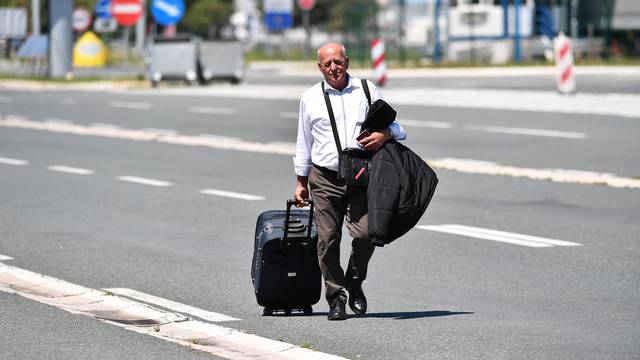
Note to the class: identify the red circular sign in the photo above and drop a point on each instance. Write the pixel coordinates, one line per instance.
(126, 12)
(306, 4)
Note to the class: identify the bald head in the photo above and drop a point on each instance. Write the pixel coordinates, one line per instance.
(333, 64)
(330, 49)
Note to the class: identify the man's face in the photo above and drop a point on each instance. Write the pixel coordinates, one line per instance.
(334, 68)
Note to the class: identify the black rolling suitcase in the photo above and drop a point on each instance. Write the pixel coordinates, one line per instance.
(285, 271)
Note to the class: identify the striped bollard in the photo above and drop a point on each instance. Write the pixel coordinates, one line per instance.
(564, 65)
(378, 64)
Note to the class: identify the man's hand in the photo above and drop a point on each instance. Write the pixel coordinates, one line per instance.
(375, 141)
(302, 191)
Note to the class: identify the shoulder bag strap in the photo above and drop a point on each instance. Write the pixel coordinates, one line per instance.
(365, 87)
(332, 118)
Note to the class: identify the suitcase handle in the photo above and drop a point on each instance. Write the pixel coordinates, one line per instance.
(287, 217)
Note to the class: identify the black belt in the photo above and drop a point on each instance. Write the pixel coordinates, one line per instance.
(326, 171)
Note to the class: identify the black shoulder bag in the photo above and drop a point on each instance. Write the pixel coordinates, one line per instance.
(353, 163)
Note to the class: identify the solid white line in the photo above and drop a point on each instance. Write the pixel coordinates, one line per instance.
(57, 121)
(16, 162)
(289, 115)
(130, 105)
(161, 131)
(5, 257)
(526, 131)
(233, 195)
(542, 240)
(104, 125)
(217, 340)
(144, 181)
(452, 230)
(71, 170)
(429, 124)
(211, 110)
(555, 175)
(172, 305)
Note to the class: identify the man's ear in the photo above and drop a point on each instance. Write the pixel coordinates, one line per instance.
(346, 62)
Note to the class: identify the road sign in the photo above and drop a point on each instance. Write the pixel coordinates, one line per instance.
(306, 5)
(126, 12)
(167, 12)
(278, 14)
(105, 25)
(80, 19)
(103, 9)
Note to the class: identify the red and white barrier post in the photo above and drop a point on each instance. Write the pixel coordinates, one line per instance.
(378, 64)
(564, 64)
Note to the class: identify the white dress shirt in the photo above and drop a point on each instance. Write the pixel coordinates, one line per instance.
(315, 143)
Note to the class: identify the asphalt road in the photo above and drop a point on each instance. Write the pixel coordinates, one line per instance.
(432, 294)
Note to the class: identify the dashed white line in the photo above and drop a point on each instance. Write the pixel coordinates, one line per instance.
(71, 170)
(144, 181)
(211, 110)
(429, 124)
(5, 257)
(131, 315)
(172, 305)
(500, 236)
(10, 161)
(526, 131)
(130, 105)
(233, 195)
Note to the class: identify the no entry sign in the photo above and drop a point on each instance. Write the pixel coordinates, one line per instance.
(126, 12)
(306, 5)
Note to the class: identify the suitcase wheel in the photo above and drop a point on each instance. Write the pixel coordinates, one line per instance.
(267, 311)
(308, 310)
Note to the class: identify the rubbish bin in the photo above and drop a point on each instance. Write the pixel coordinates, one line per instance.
(221, 60)
(174, 59)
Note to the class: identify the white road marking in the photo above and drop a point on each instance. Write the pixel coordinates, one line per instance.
(555, 175)
(57, 121)
(218, 137)
(172, 305)
(161, 131)
(289, 115)
(144, 181)
(71, 170)
(220, 341)
(211, 110)
(130, 105)
(5, 257)
(233, 195)
(104, 125)
(288, 149)
(429, 124)
(500, 236)
(222, 143)
(526, 131)
(10, 161)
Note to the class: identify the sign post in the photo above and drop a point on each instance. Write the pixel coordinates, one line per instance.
(306, 6)
(80, 19)
(167, 12)
(126, 13)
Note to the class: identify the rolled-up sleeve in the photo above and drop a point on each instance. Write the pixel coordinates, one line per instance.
(397, 132)
(304, 142)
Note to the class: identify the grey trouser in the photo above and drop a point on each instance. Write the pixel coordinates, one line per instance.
(333, 201)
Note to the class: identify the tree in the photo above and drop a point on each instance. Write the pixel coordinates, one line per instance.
(207, 17)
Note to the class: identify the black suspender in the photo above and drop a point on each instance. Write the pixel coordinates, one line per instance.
(334, 127)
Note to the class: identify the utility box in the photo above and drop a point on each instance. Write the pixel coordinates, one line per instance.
(174, 59)
(221, 60)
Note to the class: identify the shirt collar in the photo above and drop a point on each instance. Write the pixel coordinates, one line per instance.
(350, 83)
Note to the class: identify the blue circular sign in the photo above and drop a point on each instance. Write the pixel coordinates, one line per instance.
(167, 12)
(103, 9)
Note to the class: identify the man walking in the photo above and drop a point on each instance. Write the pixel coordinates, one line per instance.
(316, 165)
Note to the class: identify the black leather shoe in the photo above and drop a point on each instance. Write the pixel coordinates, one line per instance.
(357, 300)
(337, 310)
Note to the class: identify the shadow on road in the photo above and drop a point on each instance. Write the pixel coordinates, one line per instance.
(414, 314)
